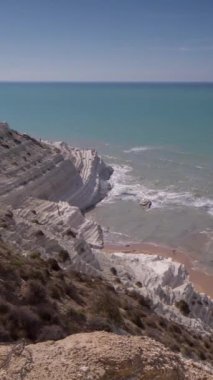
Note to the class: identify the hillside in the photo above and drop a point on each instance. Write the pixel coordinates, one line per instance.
(56, 282)
(41, 301)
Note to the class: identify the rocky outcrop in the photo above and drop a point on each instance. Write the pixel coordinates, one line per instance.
(167, 284)
(52, 230)
(49, 184)
(146, 203)
(60, 220)
(58, 173)
(98, 356)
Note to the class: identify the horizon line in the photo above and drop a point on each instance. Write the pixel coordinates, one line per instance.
(107, 82)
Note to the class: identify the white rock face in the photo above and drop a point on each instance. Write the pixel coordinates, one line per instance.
(56, 181)
(54, 231)
(56, 173)
(60, 219)
(166, 283)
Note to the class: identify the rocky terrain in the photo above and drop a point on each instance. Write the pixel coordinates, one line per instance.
(40, 300)
(167, 284)
(33, 168)
(56, 281)
(98, 356)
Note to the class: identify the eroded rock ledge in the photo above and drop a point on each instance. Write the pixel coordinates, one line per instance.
(167, 284)
(51, 184)
(34, 168)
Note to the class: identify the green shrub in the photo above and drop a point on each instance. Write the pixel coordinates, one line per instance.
(23, 323)
(185, 350)
(53, 265)
(55, 290)
(4, 307)
(73, 293)
(163, 323)
(143, 301)
(4, 335)
(98, 324)
(137, 320)
(35, 293)
(76, 315)
(183, 307)
(53, 332)
(151, 323)
(202, 355)
(37, 274)
(176, 329)
(106, 305)
(48, 313)
(35, 255)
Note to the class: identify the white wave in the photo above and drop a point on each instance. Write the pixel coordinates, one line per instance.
(110, 157)
(122, 182)
(119, 234)
(208, 232)
(136, 149)
(162, 198)
(125, 187)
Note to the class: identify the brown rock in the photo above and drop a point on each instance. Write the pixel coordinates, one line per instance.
(97, 356)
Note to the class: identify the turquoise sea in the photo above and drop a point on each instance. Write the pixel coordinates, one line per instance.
(158, 137)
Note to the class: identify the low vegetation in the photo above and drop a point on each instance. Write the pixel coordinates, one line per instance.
(40, 301)
(183, 307)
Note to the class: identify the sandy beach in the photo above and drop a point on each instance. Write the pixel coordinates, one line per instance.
(202, 281)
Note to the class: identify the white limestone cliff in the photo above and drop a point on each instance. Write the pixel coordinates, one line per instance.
(33, 168)
(56, 181)
(167, 284)
(61, 220)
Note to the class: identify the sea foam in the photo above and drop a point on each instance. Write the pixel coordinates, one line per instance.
(126, 187)
(137, 149)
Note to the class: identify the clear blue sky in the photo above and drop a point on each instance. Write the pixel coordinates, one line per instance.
(106, 40)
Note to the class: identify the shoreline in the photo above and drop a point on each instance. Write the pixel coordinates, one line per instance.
(202, 281)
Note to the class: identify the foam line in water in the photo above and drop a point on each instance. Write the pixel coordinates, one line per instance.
(137, 149)
(125, 187)
(110, 157)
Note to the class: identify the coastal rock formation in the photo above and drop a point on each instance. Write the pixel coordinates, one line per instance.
(98, 356)
(43, 189)
(33, 168)
(167, 284)
(49, 185)
(36, 227)
(146, 203)
(60, 220)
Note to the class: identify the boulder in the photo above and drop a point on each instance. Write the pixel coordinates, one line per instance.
(146, 203)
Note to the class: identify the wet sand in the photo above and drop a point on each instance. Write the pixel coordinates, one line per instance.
(202, 281)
